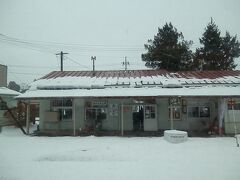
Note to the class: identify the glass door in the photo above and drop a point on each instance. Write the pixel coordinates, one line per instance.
(150, 119)
(94, 118)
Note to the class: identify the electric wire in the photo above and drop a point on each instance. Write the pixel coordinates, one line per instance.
(46, 46)
(67, 57)
(69, 44)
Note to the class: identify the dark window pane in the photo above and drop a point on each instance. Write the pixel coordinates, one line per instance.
(61, 102)
(193, 112)
(94, 117)
(65, 114)
(204, 111)
(234, 106)
(3, 106)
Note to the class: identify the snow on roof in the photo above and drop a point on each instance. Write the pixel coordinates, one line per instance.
(86, 79)
(135, 83)
(134, 92)
(6, 91)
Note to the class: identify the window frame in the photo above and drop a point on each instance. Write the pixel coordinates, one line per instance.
(151, 114)
(60, 105)
(199, 112)
(236, 106)
(96, 123)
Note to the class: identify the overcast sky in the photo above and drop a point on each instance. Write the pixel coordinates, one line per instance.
(107, 29)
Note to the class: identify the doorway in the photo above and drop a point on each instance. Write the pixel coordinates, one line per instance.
(138, 114)
(150, 118)
(94, 118)
(144, 118)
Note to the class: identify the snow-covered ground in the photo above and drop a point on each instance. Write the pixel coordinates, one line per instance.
(102, 158)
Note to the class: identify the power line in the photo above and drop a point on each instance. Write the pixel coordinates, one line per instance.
(25, 66)
(19, 79)
(69, 44)
(82, 47)
(24, 44)
(77, 62)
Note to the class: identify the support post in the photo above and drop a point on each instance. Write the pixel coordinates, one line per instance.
(122, 133)
(74, 119)
(171, 117)
(221, 113)
(28, 117)
(235, 126)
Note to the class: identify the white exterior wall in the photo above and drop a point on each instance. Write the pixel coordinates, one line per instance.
(232, 121)
(114, 122)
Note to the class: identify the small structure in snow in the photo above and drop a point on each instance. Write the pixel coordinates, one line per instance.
(175, 136)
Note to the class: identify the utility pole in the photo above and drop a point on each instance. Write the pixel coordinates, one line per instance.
(61, 55)
(93, 58)
(125, 63)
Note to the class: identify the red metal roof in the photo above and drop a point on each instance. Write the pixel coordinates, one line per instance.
(144, 73)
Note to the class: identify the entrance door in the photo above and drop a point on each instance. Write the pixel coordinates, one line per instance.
(150, 119)
(94, 118)
(137, 114)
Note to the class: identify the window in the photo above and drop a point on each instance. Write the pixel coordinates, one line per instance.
(149, 112)
(234, 106)
(199, 112)
(204, 111)
(65, 114)
(237, 106)
(3, 106)
(174, 108)
(193, 111)
(94, 117)
(61, 102)
(63, 107)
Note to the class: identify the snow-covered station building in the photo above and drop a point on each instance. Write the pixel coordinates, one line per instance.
(136, 101)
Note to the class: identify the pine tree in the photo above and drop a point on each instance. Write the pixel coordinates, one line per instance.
(168, 50)
(230, 50)
(218, 52)
(14, 86)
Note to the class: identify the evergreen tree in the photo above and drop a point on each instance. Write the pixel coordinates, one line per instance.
(230, 51)
(218, 52)
(14, 86)
(168, 50)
